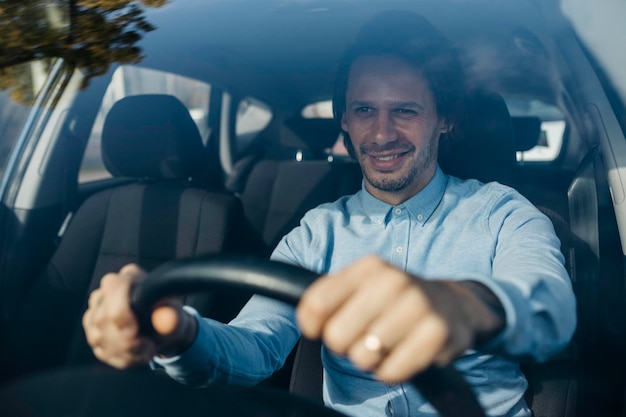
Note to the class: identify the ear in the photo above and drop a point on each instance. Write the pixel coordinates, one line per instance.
(344, 123)
(445, 126)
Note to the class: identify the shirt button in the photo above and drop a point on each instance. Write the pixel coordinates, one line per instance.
(420, 217)
(398, 211)
(399, 249)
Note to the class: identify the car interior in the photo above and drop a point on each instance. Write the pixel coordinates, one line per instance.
(210, 142)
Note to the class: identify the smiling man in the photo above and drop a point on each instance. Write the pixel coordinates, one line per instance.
(394, 126)
(420, 267)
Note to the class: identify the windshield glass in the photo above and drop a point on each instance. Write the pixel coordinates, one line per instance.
(19, 86)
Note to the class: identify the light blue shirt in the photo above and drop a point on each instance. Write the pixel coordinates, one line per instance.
(452, 229)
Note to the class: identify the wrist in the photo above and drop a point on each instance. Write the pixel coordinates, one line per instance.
(487, 316)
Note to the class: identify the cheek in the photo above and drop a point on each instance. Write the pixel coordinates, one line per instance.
(357, 128)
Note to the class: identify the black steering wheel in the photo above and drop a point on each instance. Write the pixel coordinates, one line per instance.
(105, 392)
(443, 387)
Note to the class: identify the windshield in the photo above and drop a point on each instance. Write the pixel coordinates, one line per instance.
(19, 86)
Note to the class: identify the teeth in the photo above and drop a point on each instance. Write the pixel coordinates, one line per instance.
(386, 158)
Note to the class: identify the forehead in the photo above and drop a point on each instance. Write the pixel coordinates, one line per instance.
(386, 77)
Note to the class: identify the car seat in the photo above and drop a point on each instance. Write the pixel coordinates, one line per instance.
(173, 207)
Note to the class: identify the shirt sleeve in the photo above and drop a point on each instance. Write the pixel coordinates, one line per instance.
(248, 349)
(245, 351)
(530, 281)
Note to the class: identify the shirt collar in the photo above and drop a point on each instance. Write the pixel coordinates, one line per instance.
(420, 207)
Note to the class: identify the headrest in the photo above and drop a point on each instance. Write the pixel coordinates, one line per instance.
(153, 136)
(527, 131)
(486, 148)
(316, 133)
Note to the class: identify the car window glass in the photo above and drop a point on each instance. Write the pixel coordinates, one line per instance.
(252, 117)
(19, 86)
(131, 80)
(319, 109)
(324, 109)
(552, 128)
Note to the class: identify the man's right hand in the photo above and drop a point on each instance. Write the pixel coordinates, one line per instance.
(112, 329)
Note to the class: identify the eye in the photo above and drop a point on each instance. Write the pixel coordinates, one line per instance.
(363, 109)
(405, 111)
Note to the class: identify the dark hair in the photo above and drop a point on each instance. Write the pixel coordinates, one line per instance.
(413, 39)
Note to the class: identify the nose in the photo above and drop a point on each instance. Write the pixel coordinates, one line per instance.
(384, 128)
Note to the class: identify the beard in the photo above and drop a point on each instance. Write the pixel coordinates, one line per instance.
(422, 162)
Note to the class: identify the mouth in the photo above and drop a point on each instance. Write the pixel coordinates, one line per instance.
(385, 158)
(387, 161)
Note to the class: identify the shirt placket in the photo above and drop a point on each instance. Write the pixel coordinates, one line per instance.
(397, 405)
(400, 236)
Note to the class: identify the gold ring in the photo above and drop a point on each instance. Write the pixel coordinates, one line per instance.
(373, 343)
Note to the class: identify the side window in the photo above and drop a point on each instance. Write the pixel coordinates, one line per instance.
(252, 117)
(541, 143)
(324, 110)
(19, 86)
(130, 80)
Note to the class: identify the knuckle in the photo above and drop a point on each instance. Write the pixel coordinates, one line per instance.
(314, 306)
(85, 319)
(93, 338)
(377, 263)
(398, 282)
(129, 268)
(93, 297)
(334, 336)
(132, 270)
(439, 330)
(107, 279)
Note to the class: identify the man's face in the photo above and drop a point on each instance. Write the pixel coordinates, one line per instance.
(392, 119)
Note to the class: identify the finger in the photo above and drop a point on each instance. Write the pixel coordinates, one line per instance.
(92, 333)
(127, 274)
(320, 300)
(117, 306)
(415, 352)
(95, 298)
(371, 300)
(328, 293)
(140, 354)
(128, 350)
(132, 272)
(390, 328)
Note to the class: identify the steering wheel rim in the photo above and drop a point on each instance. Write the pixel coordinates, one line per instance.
(444, 387)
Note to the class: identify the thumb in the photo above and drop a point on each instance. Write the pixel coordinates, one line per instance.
(175, 327)
(165, 320)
